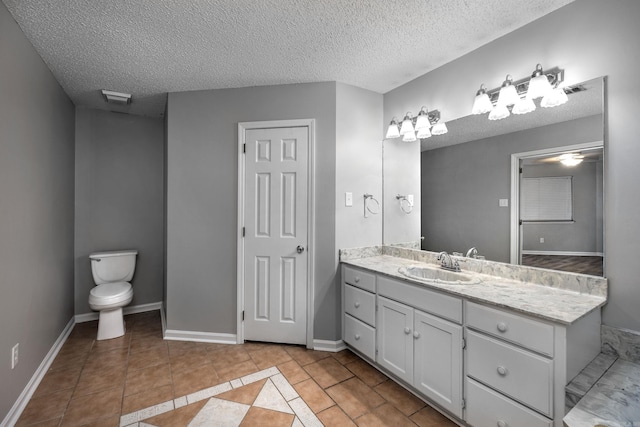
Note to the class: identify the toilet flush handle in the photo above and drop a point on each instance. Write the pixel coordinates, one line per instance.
(96, 259)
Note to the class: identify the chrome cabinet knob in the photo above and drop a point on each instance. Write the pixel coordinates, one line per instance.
(502, 424)
(357, 337)
(407, 331)
(502, 327)
(502, 371)
(416, 335)
(356, 304)
(357, 279)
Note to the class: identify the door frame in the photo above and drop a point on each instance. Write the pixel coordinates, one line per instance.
(311, 224)
(515, 239)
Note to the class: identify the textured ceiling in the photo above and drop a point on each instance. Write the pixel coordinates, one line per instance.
(151, 47)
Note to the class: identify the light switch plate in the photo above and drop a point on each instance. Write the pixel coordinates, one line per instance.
(503, 203)
(348, 198)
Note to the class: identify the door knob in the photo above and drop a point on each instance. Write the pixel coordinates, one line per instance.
(299, 249)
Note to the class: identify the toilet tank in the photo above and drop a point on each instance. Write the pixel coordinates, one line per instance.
(113, 266)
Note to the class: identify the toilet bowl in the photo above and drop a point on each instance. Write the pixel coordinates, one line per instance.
(112, 272)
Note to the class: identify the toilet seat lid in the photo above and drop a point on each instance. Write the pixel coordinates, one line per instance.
(110, 290)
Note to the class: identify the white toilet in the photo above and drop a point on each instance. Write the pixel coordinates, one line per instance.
(112, 271)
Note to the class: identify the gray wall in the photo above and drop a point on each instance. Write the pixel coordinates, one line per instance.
(119, 198)
(579, 235)
(36, 209)
(589, 38)
(461, 186)
(202, 188)
(358, 165)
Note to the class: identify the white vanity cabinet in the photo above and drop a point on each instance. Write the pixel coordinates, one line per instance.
(517, 366)
(359, 307)
(486, 364)
(417, 345)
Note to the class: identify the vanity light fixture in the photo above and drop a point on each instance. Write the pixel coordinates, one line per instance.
(425, 124)
(518, 97)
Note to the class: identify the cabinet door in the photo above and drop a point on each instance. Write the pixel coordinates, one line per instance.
(438, 361)
(395, 338)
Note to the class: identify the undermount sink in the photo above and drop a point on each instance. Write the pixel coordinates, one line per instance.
(438, 275)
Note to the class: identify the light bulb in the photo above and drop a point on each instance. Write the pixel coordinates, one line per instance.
(499, 112)
(556, 97)
(423, 119)
(481, 104)
(424, 133)
(439, 129)
(524, 106)
(392, 130)
(409, 137)
(508, 93)
(407, 125)
(539, 85)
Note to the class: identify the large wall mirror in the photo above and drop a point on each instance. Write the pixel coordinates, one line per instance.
(467, 195)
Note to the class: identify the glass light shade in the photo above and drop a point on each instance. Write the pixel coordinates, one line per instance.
(409, 136)
(508, 95)
(439, 129)
(393, 131)
(556, 97)
(424, 133)
(407, 126)
(539, 86)
(422, 121)
(499, 112)
(482, 104)
(523, 106)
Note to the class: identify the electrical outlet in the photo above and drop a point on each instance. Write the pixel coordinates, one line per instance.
(14, 356)
(503, 203)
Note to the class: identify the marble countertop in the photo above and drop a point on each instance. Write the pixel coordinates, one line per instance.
(613, 400)
(549, 303)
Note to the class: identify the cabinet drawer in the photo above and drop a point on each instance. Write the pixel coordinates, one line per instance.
(486, 407)
(361, 279)
(360, 304)
(423, 299)
(360, 336)
(524, 376)
(537, 336)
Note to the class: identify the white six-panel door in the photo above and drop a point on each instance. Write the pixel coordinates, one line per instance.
(275, 241)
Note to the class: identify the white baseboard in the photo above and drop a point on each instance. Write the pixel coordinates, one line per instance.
(332, 346)
(210, 337)
(94, 315)
(563, 253)
(19, 405)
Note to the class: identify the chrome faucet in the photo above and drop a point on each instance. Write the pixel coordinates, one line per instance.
(472, 253)
(447, 263)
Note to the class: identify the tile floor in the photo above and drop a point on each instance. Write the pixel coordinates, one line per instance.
(141, 380)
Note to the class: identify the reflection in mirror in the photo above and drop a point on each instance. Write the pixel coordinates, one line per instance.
(465, 193)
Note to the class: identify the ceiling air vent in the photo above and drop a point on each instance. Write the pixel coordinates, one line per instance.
(116, 97)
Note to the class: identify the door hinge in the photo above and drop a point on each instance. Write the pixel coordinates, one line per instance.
(243, 315)
(244, 150)
(464, 404)
(243, 231)
(464, 343)
(520, 170)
